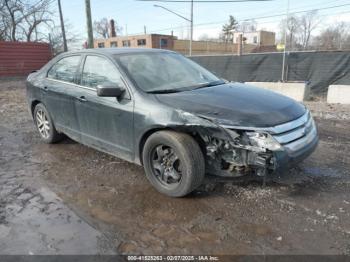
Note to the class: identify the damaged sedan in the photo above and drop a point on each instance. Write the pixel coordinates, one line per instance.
(159, 109)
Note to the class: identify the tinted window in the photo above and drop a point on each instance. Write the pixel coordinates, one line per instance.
(65, 69)
(98, 70)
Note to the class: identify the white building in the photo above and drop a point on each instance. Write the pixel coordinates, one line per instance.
(259, 38)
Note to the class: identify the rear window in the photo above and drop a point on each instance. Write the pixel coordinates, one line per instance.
(65, 69)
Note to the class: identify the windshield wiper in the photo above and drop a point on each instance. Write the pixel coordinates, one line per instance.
(164, 91)
(187, 88)
(208, 84)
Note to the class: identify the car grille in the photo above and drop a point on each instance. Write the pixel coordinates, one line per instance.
(296, 134)
(293, 135)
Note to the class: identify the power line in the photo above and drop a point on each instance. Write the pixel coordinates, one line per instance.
(256, 18)
(204, 1)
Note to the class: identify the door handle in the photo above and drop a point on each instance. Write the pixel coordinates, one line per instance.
(45, 88)
(82, 99)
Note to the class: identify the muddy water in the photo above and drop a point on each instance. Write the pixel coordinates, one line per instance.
(306, 212)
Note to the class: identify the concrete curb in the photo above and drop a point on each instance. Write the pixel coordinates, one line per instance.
(299, 91)
(338, 94)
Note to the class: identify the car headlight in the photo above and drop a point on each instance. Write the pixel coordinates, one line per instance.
(263, 140)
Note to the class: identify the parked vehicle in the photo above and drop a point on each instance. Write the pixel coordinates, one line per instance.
(159, 109)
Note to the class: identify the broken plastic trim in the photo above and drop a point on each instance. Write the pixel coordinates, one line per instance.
(233, 153)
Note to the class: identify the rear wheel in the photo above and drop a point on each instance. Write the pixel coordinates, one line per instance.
(173, 162)
(45, 125)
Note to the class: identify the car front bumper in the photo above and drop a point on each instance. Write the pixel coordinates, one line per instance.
(297, 150)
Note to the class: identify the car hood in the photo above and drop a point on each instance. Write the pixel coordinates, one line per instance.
(236, 104)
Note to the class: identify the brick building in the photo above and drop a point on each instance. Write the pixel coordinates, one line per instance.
(145, 41)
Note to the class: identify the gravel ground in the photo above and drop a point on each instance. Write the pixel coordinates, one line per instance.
(109, 204)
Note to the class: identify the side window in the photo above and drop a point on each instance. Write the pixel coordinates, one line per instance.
(65, 69)
(98, 70)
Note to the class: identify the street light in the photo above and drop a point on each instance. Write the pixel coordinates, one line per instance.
(189, 20)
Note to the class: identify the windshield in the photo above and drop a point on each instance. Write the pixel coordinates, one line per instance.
(163, 72)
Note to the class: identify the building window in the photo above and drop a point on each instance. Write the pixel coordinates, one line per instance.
(114, 44)
(126, 43)
(255, 40)
(101, 45)
(141, 41)
(163, 42)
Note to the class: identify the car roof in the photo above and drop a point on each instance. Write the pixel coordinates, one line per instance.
(117, 51)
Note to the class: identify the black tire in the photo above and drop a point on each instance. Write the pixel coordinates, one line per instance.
(187, 152)
(51, 136)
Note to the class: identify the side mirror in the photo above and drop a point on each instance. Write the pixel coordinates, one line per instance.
(110, 90)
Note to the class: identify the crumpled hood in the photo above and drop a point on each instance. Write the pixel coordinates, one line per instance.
(236, 104)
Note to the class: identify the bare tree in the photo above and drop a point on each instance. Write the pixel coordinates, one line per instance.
(20, 19)
(292, 25)
(40, 15)
(56, 40)
(308, 23)
(335, 37)
(102, 28)
(11, 15)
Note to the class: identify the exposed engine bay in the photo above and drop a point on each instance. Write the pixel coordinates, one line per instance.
(237, 157)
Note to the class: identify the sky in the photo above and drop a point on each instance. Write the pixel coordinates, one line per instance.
(133, 15)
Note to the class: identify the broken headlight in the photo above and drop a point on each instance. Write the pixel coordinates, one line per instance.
(263, 141)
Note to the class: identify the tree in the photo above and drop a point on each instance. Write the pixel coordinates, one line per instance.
(308, 23)
(56, 40)
(40, 15)
(21, 20)
(102, 28)
(292, 25)
(335, 37)
(229, 28)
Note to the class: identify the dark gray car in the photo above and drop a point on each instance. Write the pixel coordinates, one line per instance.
(158, 109)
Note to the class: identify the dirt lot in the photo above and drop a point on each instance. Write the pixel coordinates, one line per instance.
(308, 212)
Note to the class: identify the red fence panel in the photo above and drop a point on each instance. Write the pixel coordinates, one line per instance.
(21, 58)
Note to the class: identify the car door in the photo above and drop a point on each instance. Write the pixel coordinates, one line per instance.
(60, 93)
(105, 123)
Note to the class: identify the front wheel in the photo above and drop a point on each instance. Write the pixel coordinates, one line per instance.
(173, 162)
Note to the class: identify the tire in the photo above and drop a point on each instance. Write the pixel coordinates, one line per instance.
(45, 125)
(186, 161)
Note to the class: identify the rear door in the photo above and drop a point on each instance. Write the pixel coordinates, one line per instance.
(106, 123)
(60, 92)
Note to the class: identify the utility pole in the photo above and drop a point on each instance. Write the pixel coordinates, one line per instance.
(89, 24)
(144, 29)
(191, 37)
(285, 42)
(65, 48)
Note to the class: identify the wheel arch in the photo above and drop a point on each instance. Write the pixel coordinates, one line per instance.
(33, 105)
(193, 133)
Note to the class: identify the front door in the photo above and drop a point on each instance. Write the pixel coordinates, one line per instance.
(106, 123)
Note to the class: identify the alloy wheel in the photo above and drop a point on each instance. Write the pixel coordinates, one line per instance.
(43, 124)
(166, 166)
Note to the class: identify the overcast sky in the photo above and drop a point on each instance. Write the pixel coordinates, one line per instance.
(208, 17)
